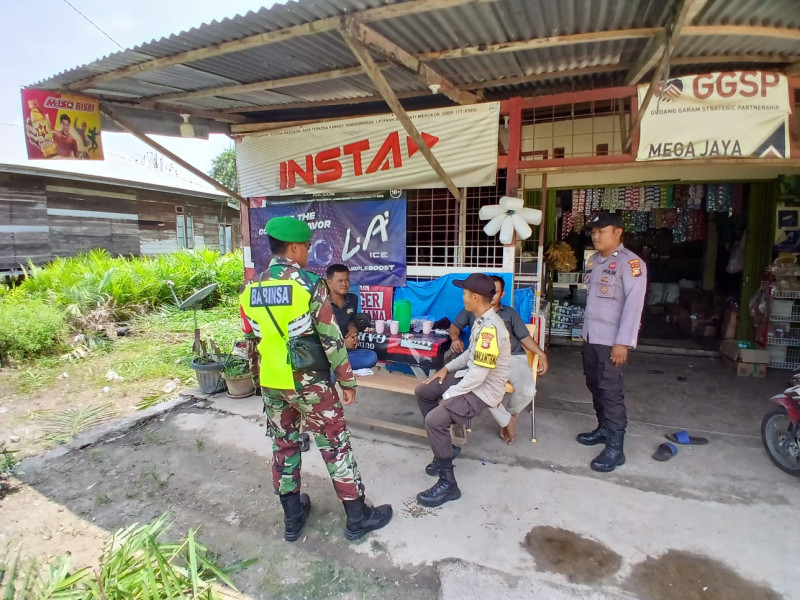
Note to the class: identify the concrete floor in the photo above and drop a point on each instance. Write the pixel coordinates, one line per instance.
(723, 509)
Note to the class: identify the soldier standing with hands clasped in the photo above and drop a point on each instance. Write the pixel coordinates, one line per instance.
(287, 302)
(616, 287)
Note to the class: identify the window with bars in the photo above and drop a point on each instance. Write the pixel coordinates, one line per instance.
(443, 234)
(575, 130)
(184, 227)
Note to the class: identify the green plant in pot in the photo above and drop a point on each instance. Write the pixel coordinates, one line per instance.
(238, 378)
(208, 366)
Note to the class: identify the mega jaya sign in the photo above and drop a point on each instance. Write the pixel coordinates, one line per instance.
(730, 114)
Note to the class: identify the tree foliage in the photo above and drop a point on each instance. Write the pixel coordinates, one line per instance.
(223, 169)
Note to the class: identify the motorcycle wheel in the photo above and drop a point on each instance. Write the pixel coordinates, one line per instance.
(781, 441)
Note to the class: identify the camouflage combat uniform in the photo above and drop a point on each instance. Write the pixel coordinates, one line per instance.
(314, 399)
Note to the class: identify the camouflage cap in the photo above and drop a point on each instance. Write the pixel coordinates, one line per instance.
(289, 229)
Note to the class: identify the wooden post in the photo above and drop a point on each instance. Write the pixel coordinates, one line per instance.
(374, 73)
(172, 156)
(540, 255)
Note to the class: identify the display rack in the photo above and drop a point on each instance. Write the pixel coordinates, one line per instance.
(783, 337)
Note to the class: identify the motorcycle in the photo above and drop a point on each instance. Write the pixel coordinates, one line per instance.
(780, 430)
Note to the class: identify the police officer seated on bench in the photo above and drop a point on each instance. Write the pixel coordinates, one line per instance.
(520, 376)
(466, 385)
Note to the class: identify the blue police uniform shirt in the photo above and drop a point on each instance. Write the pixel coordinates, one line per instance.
(615, 294)
(346, 312)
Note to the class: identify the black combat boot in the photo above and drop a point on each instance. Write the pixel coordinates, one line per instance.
(362, 518)
(296, 507)
(445, 490)
(612, 456)
(597, 436)
(432, 468)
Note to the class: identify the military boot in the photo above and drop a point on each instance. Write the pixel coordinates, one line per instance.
(296, 507)
(432, 468)
(445, 490)
(362, 518)
(612, 456)
(597, 436)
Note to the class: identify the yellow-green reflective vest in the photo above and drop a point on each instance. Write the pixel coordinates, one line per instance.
(289, 303)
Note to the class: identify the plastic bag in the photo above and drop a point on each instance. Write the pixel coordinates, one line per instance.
(736, 261)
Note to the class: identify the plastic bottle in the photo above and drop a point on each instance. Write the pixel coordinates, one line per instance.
(44, 135)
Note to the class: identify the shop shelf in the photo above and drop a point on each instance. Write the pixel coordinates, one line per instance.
(794, 317)
(785, 270)
(574, 278)
(786, 294)
(783, 365)
(784, 341)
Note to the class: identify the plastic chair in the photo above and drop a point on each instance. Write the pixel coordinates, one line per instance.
(533, 362)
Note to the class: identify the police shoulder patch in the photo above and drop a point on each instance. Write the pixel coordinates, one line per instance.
(486, 349)
(636, 267)
(271, 295)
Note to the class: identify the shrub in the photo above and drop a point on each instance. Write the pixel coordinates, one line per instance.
(29, 327)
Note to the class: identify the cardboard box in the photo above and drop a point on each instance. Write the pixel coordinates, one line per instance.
(729, 324)
(745, 362)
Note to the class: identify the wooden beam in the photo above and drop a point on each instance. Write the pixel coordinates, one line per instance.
(369, 38)
(213, 115)
(792, 70)
(741, 31)
(260, 86)
(363, 56)
(543, 42)
(549, 75)
(320, 103)
(687, 11)
(656, 81)
(270, 37)
(729, 58)
(109, 112)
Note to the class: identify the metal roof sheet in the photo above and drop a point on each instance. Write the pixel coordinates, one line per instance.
(447, 25)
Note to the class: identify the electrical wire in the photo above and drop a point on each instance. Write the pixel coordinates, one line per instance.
(93, 24)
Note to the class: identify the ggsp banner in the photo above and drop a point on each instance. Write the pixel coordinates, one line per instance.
(717, 115)
(366, 232)
(371, 153)
(61, 125)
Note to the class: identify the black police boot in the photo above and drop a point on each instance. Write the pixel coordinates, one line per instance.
(445, 490)
(612, 456)
(296, 507)
(362, 518)
(597, 436)
(432, 468)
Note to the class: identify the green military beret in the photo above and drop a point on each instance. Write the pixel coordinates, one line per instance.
(289, 229)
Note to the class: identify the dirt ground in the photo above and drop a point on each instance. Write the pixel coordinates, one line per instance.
(709, 525)
(71, 503)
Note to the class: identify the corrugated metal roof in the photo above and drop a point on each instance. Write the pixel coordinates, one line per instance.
(450, 25)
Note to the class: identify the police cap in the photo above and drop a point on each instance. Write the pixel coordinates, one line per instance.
(289, 229)
(478, 283)
(604, 220)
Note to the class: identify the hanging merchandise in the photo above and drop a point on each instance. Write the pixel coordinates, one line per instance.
(719, 198)
(567, 223)
(736, 261)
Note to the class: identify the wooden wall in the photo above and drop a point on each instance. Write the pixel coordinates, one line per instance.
(43, 218)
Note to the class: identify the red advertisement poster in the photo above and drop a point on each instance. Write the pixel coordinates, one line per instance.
(376, 301)
(61, 126)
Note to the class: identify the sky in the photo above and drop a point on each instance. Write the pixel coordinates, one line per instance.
(41, 39)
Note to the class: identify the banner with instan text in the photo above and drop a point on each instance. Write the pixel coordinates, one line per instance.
(371, 153)
(717, 115)
(61, 125)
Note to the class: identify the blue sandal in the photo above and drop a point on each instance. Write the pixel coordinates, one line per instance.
(682, 437)
(665, 452)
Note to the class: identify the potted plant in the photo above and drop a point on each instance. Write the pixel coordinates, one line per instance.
(238, 378)
(208, 366)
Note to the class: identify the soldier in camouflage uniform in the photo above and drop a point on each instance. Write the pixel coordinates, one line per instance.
(312, 396)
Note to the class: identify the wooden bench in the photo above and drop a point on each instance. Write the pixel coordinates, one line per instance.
(400, 384)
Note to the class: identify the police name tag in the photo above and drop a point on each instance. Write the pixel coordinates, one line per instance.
(486, 350)
(272, 295)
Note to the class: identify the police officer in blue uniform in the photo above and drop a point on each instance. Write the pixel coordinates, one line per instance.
(616, 287)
